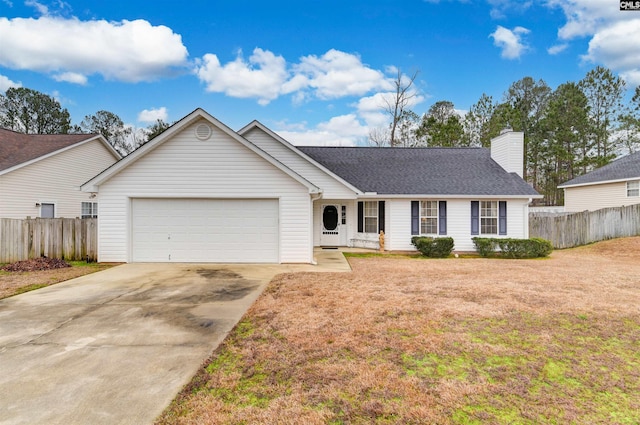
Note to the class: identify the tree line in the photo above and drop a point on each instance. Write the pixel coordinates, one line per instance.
(29, 111)
(568, 131)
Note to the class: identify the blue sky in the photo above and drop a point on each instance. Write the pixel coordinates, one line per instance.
(314, 71)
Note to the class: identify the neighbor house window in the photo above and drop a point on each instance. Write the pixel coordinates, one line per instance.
(428, 217)
(89, 210)
(488, 217)
(371, 217)
(633, 188)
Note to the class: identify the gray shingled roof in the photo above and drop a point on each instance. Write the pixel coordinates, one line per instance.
(18, 148)
(421, 171)
(627, 167)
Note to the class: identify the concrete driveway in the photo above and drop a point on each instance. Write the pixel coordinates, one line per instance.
(116, 346)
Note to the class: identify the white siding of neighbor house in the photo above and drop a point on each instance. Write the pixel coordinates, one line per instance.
(217, 168)
(331, 188)
(398, 234)
(56, 179)
(597, 196)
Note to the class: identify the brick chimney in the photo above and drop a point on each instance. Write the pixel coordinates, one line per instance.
(508, 151)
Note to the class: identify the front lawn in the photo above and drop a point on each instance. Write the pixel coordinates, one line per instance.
(14, 283)
(443, 341)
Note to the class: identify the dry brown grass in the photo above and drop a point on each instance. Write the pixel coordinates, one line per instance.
(13, 283)
(454, 341)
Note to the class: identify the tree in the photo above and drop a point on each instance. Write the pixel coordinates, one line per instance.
(566, 153)
(441, 126)
(628, 133)
(395, 106)
(29, 111)
(111, 127)
(156, 129)
(528, 101)
(604, 92)
(476, 122)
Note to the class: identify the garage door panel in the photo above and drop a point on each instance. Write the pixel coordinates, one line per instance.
(205, 230)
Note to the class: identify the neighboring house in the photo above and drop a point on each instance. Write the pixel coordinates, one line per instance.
(200, 192)
(614, 185)
(41, 174)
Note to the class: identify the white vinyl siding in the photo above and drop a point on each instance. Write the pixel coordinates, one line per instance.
(331, 188)
(217, 168)
(56, 179)
(398, 233)
(597, 196)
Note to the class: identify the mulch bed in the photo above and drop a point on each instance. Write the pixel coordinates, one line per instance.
(36, 264)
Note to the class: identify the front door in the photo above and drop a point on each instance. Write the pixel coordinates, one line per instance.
(330, 231)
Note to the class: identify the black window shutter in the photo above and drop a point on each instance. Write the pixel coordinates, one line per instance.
(502, 217)
(442, 217)
(415, 217)
(475, 217)
(360, 217)
(380, 216)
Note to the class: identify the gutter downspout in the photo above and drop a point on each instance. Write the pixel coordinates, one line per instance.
(314, 197)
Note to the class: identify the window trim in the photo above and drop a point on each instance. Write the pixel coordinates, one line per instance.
(482, 216)
(93, 207)
(635, 189)
(435, 217)
(368, 207)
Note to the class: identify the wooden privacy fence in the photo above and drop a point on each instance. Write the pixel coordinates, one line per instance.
(66, 238)
(574, 229)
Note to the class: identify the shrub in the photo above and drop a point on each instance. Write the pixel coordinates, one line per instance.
(513, 248)
(433, 247)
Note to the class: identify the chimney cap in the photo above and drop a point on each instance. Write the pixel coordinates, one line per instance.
(506, 130)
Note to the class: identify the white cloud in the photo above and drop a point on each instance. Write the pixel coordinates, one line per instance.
(344, 130)
(152, 115)
(6, 83)
(266, 76)
(263, 76)
(612, 34)
(129, 51)
(337, 74)
(500, 8)
(558, 48)
(510, 41)
(607, 46)
(71, 77)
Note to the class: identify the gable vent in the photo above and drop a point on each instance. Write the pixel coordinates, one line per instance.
(203, 131)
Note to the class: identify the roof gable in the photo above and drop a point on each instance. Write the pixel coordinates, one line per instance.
(19, 149)
(421, 171)
(198, 114)
(306, 159)
(624, 168)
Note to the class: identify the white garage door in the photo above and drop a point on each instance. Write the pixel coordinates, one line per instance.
(205, 230)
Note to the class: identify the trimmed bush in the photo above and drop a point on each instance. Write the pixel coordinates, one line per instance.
(513, 248)
(433, 247)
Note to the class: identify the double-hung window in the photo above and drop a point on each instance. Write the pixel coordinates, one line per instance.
(89, 210)
(633, 189)
(428, 217)
(371, 216)
(489, 217)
